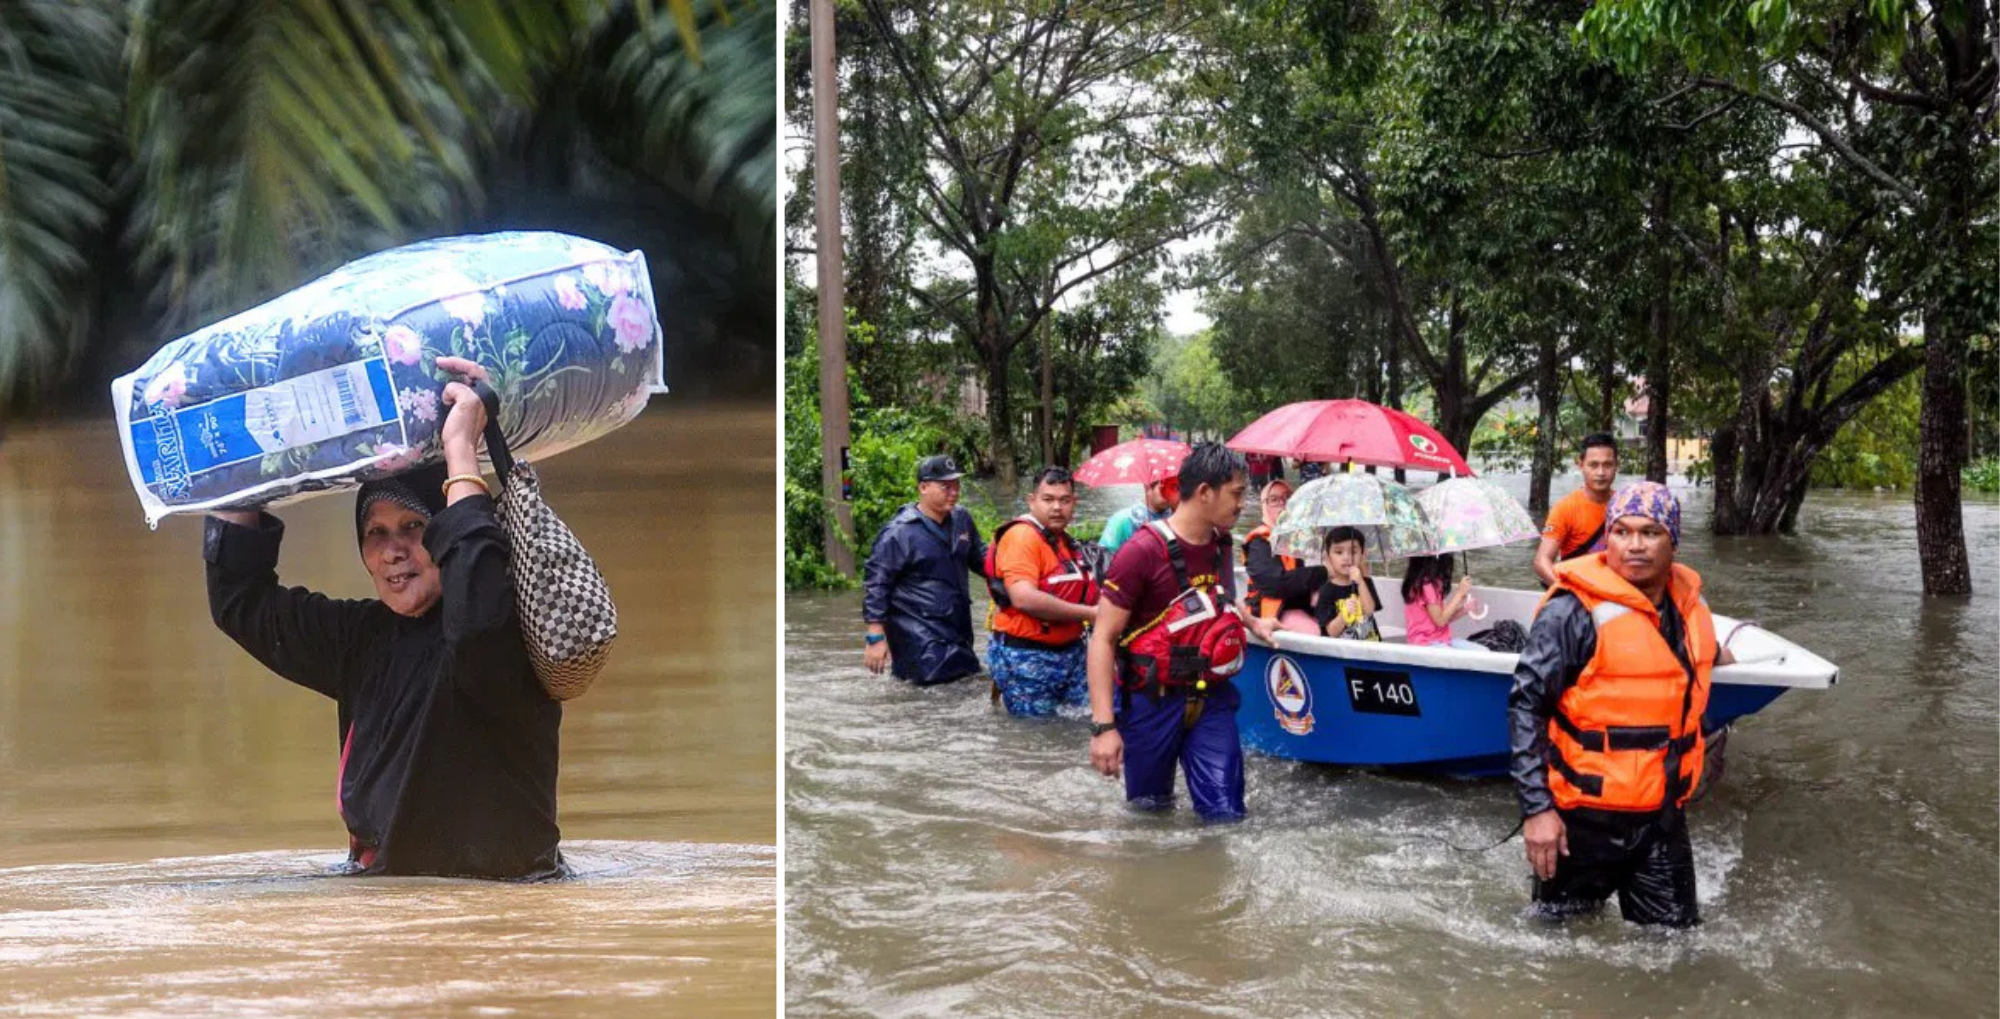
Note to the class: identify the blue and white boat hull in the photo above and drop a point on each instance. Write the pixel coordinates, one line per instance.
(1386, 703)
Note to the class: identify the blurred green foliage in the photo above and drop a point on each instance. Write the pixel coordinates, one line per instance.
(166, 163)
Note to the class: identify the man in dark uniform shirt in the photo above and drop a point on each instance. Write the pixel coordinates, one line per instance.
(915, 601)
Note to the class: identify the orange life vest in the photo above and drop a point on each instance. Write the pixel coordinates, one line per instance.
(1071, 581)
(1627, 736)
(1252, 598)
(1198, 638)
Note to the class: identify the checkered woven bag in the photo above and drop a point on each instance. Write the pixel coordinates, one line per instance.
(568, 620)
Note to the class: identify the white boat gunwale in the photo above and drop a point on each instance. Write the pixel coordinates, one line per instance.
(1766, 658)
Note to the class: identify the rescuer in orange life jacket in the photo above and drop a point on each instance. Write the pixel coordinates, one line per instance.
(1043, 594)
(1280, 586)
(1606, 720)
(1167, 640)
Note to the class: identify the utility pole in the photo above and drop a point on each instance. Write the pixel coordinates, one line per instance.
(833, 469)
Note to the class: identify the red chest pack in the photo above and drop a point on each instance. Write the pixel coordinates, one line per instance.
(1197, 639)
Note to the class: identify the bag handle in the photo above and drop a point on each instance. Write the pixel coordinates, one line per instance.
(496, 442)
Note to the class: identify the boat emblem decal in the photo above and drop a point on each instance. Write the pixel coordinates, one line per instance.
(1291, 695)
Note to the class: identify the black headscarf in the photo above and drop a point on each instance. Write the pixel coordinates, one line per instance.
(420, 491)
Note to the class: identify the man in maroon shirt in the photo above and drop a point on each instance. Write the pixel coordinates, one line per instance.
(1154, 726)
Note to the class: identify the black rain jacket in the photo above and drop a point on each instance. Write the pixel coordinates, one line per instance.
(914, 585)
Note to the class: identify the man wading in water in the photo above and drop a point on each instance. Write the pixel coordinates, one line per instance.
(1606, 720)
(1043, 596)
(914, 600)
(1575, 526)
(1168, 638)
(448, 743)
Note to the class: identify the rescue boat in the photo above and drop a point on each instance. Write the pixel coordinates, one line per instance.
(1392, 704)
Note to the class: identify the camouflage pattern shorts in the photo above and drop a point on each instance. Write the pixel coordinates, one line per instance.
(1034, 682)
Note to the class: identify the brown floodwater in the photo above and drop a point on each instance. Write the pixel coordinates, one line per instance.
(944, 859)
(166, 804)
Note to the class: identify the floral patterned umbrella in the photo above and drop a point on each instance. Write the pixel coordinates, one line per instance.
(1470, 513)
(1138, 462)
(1387, 514)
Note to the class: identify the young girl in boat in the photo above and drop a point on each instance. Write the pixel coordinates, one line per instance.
(1345, 605)
(1427, 611)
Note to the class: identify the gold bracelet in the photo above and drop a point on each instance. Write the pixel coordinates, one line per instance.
(474, 478)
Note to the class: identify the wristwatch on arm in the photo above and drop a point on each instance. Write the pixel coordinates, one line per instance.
(1100, 728)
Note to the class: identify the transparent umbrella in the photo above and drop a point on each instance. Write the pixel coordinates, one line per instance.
(1388, 515)
(1469, 513)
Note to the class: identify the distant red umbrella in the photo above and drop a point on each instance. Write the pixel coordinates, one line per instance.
(1138, 462)
(1340, 431)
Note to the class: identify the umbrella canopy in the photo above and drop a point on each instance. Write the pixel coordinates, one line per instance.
(1138, 462)
(1469, 513)
(1388, 515)
(1350, 430)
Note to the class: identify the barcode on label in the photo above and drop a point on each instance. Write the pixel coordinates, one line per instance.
(350, 407)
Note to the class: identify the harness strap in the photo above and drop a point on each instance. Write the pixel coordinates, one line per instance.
(1174, 555)
(1058, 544)
(1623, 737)
(1584, 549)
(1676, 782)
(1592, 785)
(1197, 701)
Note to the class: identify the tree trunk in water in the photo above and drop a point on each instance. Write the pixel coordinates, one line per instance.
(1659, 361)
(1722, 453)
(1453, 421)
(1659, 355)
(1941, 456)
(1739, 447)
(1548, 401)
(1786, 485)
(1788, 519)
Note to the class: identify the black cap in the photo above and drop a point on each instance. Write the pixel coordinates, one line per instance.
(937, 468)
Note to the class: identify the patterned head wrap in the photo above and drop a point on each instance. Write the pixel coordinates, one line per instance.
(420, 491)
(1648, 499)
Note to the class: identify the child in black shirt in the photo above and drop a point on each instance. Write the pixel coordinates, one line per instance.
(1345, 605)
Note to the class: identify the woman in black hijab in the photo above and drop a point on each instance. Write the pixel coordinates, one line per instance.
(447, 742)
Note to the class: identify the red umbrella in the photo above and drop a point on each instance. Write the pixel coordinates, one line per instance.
(1138, 462)
(1350, 430)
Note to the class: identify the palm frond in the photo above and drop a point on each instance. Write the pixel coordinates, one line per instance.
(274, 140)
(702, 121)
(58, 128)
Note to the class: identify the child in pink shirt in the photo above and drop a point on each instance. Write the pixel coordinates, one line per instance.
(1427, 611)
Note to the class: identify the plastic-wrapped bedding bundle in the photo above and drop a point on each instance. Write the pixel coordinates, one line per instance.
(333, 384)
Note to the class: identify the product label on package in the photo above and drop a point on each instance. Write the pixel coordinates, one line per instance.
(174, 445)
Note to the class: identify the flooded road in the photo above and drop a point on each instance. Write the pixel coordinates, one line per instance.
(944, 859)
(168, 803)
